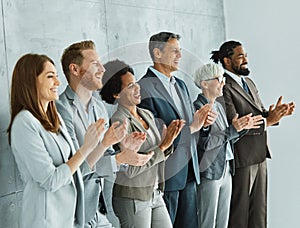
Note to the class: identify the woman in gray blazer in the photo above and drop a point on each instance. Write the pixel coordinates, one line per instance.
(137, 192)
(43, 149)
(215, 150)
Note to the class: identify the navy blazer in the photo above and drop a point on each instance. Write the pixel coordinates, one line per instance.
(157, 99)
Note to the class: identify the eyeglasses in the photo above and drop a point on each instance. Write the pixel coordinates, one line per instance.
(220, 79)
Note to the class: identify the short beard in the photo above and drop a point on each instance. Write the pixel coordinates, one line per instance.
(239, 71)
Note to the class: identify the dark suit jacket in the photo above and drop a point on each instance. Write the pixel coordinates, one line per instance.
(212, 143)
(252, 148)
(156, 99)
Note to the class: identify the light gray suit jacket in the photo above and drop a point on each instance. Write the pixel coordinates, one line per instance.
(137, 182)
(71, 110)
(50, 193)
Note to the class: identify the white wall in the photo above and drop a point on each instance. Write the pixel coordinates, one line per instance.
(269, 30)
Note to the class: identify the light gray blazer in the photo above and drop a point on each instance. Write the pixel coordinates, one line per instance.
(137, 182)
(71, 110)
(50, 193)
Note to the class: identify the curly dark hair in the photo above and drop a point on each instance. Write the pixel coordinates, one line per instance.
(112, 81)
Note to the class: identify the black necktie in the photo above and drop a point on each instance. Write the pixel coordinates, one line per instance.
(245, 86)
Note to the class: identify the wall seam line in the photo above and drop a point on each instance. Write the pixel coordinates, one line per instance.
(4, 41)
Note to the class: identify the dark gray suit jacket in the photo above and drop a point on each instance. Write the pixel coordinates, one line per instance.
(212, 143)
(252, 148)
(157, 99)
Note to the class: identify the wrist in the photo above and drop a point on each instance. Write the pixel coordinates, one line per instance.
(105, 143)
(162, 148)
(83, 152)
(119, 158)
(192, 129)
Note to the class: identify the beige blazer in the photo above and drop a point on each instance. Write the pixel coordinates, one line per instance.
(138, 182)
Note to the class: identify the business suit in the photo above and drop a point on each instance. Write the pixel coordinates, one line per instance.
(182, 169)
(71, 110)
(249, 196)
(137, 184)
(51, 198)
(216, 167)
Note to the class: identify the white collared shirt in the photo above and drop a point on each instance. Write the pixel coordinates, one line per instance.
(235, 77)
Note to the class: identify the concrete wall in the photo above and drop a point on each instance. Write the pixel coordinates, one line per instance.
(119, 28)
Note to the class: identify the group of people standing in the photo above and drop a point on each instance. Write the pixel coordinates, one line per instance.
(174, 162)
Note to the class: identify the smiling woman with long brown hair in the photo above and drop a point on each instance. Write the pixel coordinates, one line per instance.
(43, 150)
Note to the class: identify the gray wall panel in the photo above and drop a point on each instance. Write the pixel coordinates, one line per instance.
(10, 207)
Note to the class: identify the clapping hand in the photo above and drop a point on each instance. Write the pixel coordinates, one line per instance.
(130, 146)
(92, 137)
(115, 133)
(200, 117)
(247, 122)
(279, 111)
(170, 134)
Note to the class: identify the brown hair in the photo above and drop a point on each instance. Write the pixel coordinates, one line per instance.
(73, 54)
(24, 96)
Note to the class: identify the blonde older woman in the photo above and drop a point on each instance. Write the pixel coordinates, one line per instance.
(215, 149)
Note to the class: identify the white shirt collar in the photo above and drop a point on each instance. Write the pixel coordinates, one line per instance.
(235, 77)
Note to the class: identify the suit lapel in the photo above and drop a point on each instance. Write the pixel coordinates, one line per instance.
(183, 96)
(79, 110)
(162, 91)
(78, 178)
(64, 156)
(252, 90)
(137, 125)
(235, 86)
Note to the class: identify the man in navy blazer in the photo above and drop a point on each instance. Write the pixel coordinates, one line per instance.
(168, 99)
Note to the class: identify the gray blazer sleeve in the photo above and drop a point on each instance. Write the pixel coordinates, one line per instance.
(34, 158)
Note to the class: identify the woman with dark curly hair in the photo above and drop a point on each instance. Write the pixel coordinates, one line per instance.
(137, 192)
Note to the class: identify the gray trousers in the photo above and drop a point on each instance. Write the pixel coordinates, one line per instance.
(214, 200)
(100, 220)
(107, 193)
(134, 213)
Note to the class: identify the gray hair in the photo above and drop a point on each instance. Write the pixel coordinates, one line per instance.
(207, 71)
